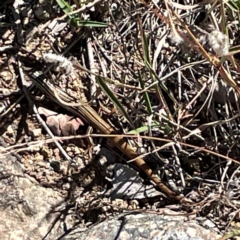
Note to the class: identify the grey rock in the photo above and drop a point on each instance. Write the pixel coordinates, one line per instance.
(139, 226)
(25, 206)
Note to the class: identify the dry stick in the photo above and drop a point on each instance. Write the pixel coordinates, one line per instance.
(175, 154)
(37, 114)
(93, 88)
(13, 106)
(181, 127)
(40, 142)
(91, 116)
(109, 80)
(203, 105)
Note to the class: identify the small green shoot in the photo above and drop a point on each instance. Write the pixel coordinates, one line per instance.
(74, 19)
(114, 99)
(145, 95)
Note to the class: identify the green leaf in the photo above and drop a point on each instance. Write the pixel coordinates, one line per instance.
(114, 99)
(74, 19)
(64, 6)
(142, 129)
(145, 95)
(146, 50)
(78, 23)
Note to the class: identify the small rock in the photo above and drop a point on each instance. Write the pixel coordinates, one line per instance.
(66, 186)
(36, 132)
(208, 224)
(38, 157)
(10, 131)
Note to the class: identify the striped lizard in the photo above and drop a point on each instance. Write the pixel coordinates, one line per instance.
(89, 115)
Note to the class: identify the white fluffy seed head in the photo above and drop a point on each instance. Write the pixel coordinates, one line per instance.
(176, 38)
(218, 42)
(53, 58)
(62, 61)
